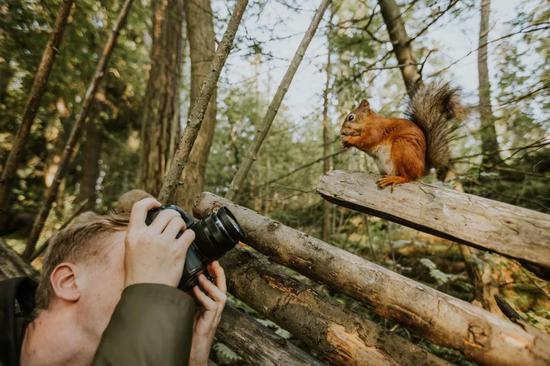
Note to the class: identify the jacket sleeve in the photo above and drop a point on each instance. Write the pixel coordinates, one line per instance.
(152, 325)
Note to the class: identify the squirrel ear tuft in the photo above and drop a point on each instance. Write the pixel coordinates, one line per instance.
(364, 103)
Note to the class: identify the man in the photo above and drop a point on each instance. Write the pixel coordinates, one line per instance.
(107, 296)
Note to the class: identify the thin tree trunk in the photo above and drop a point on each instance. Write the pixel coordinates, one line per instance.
(198, 110)
(445, 320)
(252, 153)
(80, 122)
(202, 44)
(489, 143)
(482, 270)
(90, 166)
(401, 44)
(12, 265)
(162, 95)
(326, 130)
(31, 107)
(340, 336)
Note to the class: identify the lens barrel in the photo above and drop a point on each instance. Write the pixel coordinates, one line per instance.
(215, 235)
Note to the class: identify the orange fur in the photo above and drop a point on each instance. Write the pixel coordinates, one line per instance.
(397, 145)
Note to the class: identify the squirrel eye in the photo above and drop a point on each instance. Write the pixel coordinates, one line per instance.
(351, 117)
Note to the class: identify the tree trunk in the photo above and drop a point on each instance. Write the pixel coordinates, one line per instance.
(252, 153)
(340, 336)
(90, 166)
(51, 193)
(202, 44)
(162, 96)
(489, 143)
(401, 44)
(31, 107)
(198, 109)
(259, 345)
(326, 130)
(480, 335)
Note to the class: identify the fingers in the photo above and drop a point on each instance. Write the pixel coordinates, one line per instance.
(186, 238)
(163, 218)
(175, 225)
(140, 209)
(206, 301)
(216, 270)
(212, 290)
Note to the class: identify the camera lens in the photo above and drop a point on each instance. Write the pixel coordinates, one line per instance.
(215, 235)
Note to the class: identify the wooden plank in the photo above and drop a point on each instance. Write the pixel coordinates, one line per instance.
(480, 335)
(467, 219)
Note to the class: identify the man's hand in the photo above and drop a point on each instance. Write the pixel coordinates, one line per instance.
(212, 298)
(153, 254)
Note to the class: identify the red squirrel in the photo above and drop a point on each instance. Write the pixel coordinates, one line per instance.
(404, 149)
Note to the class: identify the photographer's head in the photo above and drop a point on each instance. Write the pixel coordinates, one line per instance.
(82, 279)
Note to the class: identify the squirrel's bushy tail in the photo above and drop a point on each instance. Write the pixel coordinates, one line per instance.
(435, 108)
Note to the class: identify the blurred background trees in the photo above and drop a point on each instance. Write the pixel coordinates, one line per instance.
(496, 51)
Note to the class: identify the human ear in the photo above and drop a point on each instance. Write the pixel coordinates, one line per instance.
(63, 280)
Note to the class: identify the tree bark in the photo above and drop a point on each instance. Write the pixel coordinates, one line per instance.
(489, 143)
(31, 107)
(76, 131)
(252, 153)
(475, 221)
(198, 109)
(480, 335)
(401, 44)
(162, 96)
(90, 166)
(340, 336)
(202, 44)
(326, 130)
(259, 345)
(12, 265)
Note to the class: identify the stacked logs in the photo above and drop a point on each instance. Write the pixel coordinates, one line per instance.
(481, 336)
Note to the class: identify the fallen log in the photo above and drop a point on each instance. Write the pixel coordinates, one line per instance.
(467, 219)
(259, 345)
(12, 265)
(340, 336)
(444, 320)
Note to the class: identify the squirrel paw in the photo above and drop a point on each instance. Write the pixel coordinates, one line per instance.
(391, 180)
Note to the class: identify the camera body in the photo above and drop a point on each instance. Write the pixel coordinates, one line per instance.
(215, 235)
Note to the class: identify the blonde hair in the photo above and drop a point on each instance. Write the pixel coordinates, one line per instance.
(76, 243)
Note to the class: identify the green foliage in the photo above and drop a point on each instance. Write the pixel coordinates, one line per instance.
(27, 26)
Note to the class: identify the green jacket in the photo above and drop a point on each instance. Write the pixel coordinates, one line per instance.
(152, 325)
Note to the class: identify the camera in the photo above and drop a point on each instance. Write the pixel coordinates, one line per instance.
(215, 235)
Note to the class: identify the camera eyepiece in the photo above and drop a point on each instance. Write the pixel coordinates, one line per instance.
(215, 235)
